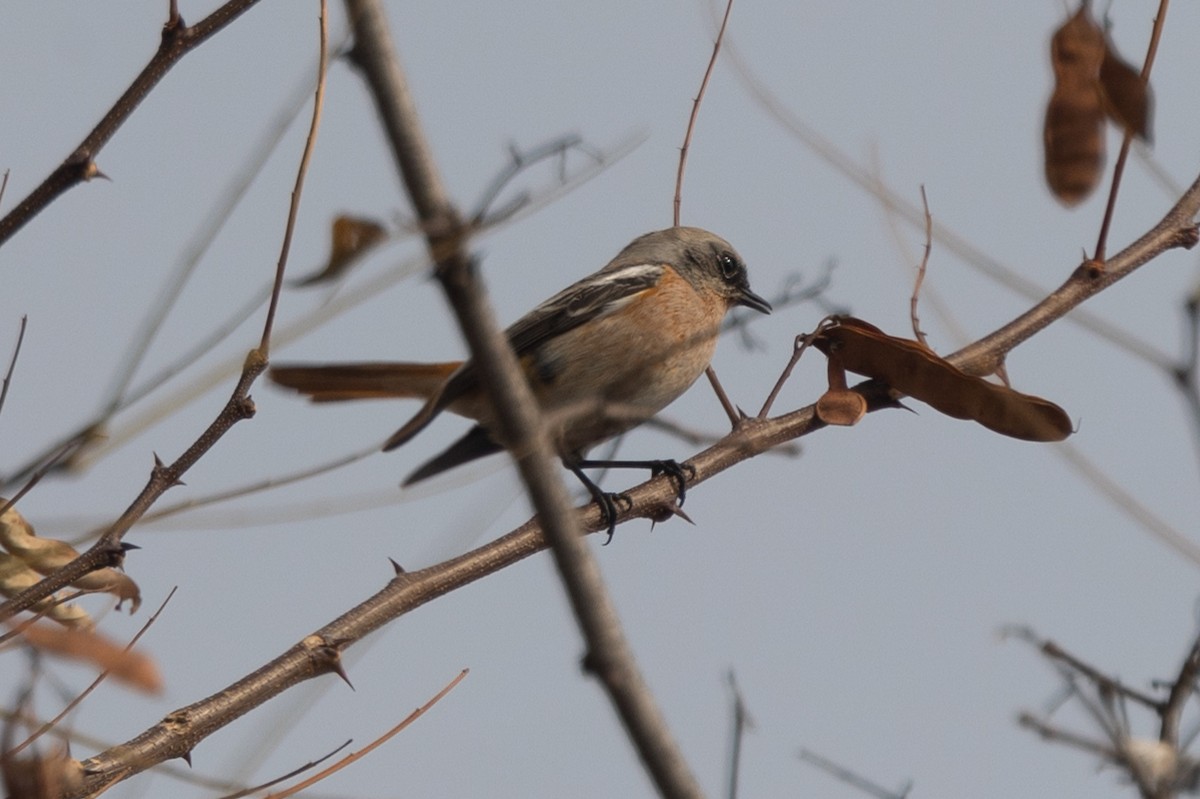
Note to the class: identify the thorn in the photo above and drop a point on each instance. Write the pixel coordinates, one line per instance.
(335, 664)
(91, 172)
(187, 757)
(903, 407)
(678, 511)
(664, 512)
(158, 462)
(399, 569)
(126, 547)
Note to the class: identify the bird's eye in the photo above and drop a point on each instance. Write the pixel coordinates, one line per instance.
(729, 266)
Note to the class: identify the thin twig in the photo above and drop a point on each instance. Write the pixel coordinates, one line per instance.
(731, 410)
(1051, 733)
(109, 550)
(691, 126)
(260, 486)
(378, 742)
(49, 725)
(177, 41)
(294, 208)
(969, 253)
(293, 773)
(193, 253)
(740, 723)
(851, 777)
(12, 364)
(919, 334)
(1127, 137)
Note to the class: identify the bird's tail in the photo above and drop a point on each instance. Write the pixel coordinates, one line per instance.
(350, 381)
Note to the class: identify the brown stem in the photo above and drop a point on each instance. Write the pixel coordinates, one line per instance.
(518, 418)
(1127, 138)
(177, 41)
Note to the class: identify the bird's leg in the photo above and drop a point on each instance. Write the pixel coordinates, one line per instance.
(668, 467)
(606, 501)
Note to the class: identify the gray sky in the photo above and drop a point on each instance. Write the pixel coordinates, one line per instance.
(857, 591)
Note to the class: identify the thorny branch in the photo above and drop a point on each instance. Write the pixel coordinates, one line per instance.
(109, 550)
(518, 416)
(408, 591)
(318, 653)
(178, 40)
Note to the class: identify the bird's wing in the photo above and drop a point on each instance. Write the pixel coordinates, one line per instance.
(597, 295)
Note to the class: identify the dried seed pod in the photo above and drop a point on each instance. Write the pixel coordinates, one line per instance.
(914, 369)
(839, 405)
(1074, 128)
(1127, 98)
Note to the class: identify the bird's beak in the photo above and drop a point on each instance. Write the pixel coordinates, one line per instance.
(751, 300)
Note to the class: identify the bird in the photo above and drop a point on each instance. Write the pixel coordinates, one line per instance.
(602, 356)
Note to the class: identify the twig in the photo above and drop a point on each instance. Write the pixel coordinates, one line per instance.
(518, 417)
(262, 485)
(731, 411)
(799, 345)
(1127, 137)
(177, 41)
(691, 126)
(281, 778)
(1056, 653)
(971, 255)
(519, 161)
(378, 742)
(794, 292)
(918, 334)
(99, 446)
(12, 364)
(1051, 733)
(294, 208)
(741, 722)
(109, 550)
(1183, 689)
(851, 777)
(194, 251)
(1117, 494)
(49, 725)
(410, 590)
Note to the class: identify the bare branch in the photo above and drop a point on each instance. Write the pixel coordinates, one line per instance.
(109, 550)
(177, 41)
(1127, 136)
(518, 418)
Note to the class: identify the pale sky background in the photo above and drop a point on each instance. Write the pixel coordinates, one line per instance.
(857, 591)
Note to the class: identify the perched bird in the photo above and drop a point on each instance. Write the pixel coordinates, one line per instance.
(602, 356)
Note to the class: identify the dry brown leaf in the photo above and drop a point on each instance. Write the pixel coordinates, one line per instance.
(45, 555)
(915, 370)
(352, 238)
(15, 577)
(1127, 98)
(128, 666)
